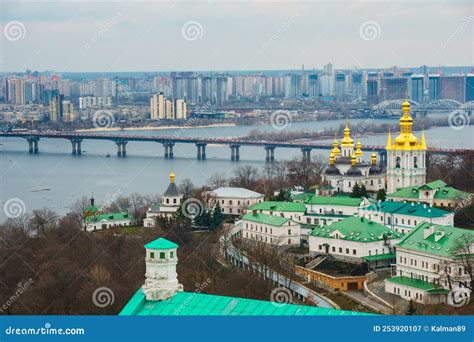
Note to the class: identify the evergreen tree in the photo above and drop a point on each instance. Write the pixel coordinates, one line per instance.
(217, 217)
(355, 191)
(203, 219)
(363, 191)
(281, 196)
(180, 216)
(381, 195)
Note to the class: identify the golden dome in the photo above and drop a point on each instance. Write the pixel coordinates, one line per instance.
(353, 160)
(373, 158)
(335, 148)
(406, 140)
(347, 140)
(172, 177)
(358, 151)
(331, 158)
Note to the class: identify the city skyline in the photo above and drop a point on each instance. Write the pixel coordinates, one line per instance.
(162, 36)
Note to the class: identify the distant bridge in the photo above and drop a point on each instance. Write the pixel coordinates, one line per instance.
(436, 106)
(168, 142)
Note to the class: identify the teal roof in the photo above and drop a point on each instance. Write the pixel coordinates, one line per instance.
(279, 206)
(442, 191)
(265, 219)
(109, 217)
(161, 243)
(417, 284)
(356, 229)
(450, 237)
(199, 304)
(334, 200)
(379, 257)
(412, 209)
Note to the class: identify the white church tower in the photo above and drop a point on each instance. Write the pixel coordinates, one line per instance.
(161, 278)
(406, 157)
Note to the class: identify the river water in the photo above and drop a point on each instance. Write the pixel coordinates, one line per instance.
(55, 178)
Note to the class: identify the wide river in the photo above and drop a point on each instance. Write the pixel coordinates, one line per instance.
(55, 178)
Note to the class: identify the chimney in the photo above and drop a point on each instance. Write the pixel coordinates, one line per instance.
(428, 231)
(438, 235)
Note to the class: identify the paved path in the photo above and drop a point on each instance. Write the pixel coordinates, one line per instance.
(377, 287)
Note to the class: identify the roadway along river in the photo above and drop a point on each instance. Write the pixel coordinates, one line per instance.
(55, 179)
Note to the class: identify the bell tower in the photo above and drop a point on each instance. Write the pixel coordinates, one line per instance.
(161, 278)
(405, 155)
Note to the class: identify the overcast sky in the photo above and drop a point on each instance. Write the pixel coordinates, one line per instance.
(232, 35)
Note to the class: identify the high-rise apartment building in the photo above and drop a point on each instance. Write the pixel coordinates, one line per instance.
(393, 88)
(453, 87)
(417, 88)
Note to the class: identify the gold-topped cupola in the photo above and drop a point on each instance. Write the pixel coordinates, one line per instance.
(335, 147)
(358, 151)
(347, 140)
(406, 140)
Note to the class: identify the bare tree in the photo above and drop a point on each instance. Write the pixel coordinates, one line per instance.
(43, 220)
(217, 180)
(187, 188)
(463, 256)
(245, 176)
(305, 173)
(78, 211)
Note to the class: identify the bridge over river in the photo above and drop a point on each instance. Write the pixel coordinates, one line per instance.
(168, 142)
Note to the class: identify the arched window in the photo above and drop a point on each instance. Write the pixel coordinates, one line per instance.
(397, 162)
(415, 162)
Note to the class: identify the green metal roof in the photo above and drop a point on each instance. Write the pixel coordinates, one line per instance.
(411, 209)
(302, 197)
(379, 257)
(356, 229)
(279, 206)
(415, 283)
(199, 304)
(265, 219)
(334, 200)
(109, 217)
(161, 243)
(450, 236)
(92, 209)
(442, 191)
